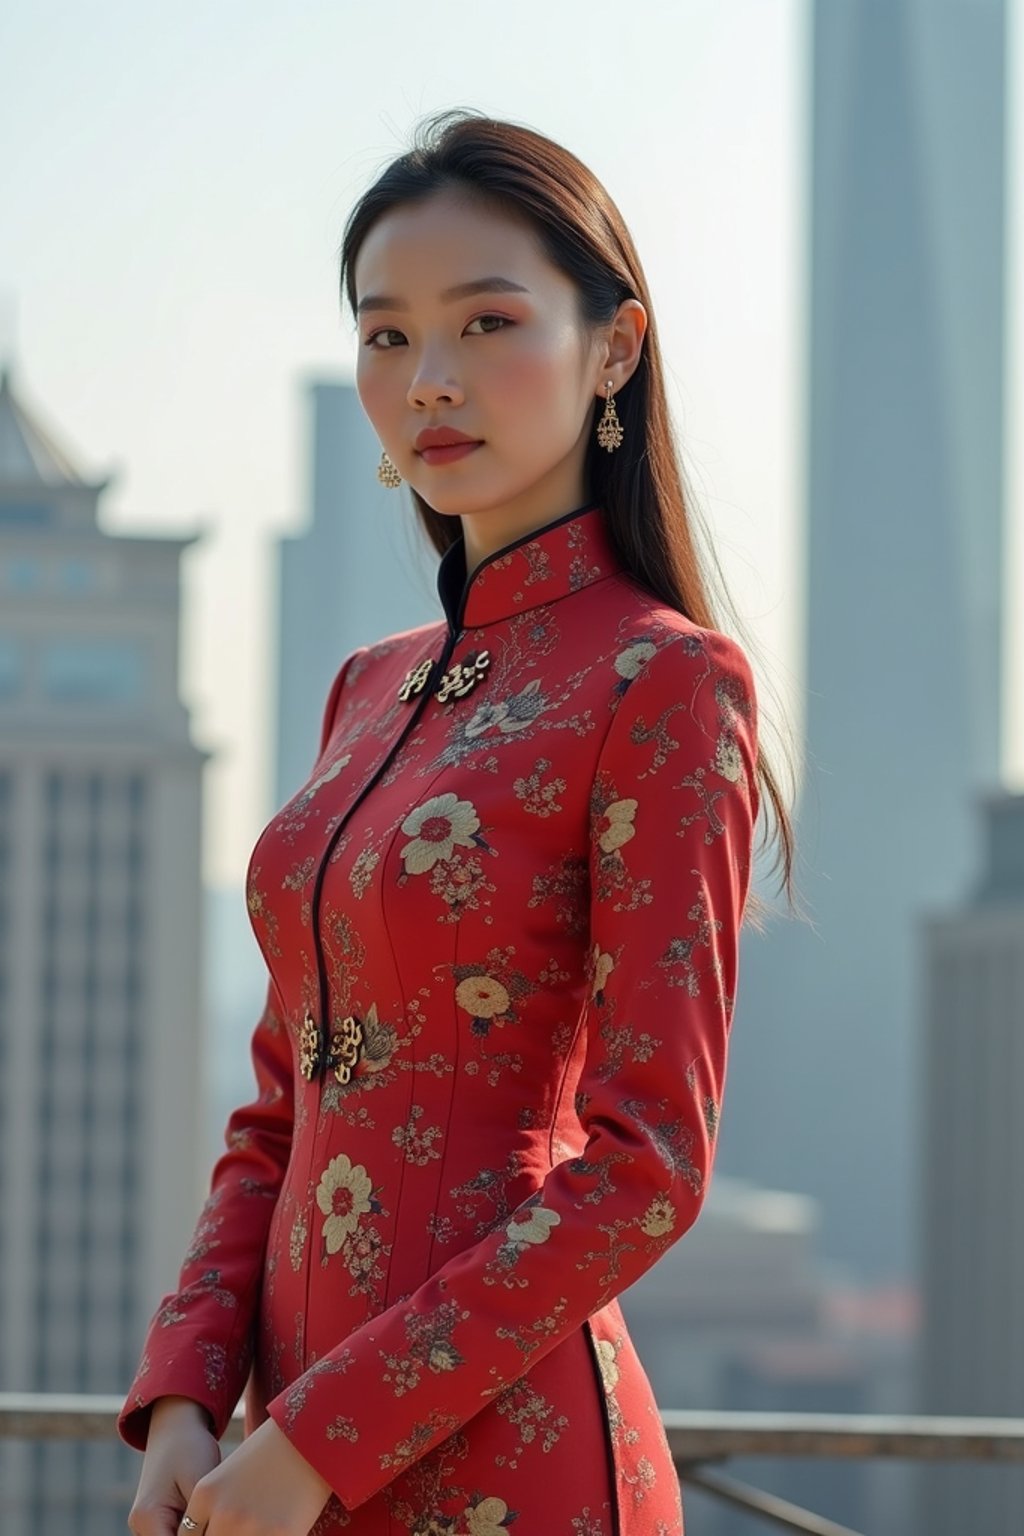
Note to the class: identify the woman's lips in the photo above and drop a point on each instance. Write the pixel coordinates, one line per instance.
(447, 454)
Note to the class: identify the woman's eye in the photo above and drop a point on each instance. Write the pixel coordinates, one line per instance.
(371, 341)
(374, 340)
(502, 321)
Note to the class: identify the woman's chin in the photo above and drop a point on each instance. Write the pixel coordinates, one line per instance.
(454, 501)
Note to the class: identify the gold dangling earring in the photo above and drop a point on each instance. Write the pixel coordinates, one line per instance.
(387, 474)
(609, 428)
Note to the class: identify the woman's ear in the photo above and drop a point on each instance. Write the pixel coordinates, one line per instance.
(623, 343)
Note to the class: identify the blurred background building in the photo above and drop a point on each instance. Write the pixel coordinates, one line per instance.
(972, 1173)
(100, 983)
(905, 553)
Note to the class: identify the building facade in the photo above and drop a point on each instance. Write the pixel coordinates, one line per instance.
(903, 647)
(972, 1174)
(100, 985)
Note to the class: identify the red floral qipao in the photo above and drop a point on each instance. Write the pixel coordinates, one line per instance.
(501, 925)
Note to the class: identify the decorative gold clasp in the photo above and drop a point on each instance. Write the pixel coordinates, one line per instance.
(464, 676)
(416, 679)
(346, 1044)
(309, 1047)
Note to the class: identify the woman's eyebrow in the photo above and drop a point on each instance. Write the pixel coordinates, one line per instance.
(460, 291)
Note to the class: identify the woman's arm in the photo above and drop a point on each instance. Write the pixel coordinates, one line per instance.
(672, 811)
(199, 1342)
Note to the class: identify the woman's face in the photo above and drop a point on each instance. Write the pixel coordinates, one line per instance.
(509, 365)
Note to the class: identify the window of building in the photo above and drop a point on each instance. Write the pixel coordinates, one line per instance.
(93, 671)
(12, 668)
(78, 575)
(23, 573)
(27, 514)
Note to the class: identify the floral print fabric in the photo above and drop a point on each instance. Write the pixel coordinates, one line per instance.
(529, 912)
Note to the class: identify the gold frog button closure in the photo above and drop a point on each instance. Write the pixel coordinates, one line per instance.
(459, 680)
(309, 1047)
(416, 679)
(343, 1052)
(464, 676)
(346, 1046)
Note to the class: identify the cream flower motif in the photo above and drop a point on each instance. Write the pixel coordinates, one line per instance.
(629, 662)
(483, 997)
(343, 1196)
(435, 827)
(606, 1360)
(325, 778)
(485, 1518)
(443, 1356)
(537, 1229)
(659, 1217)
(619, 829)
(602, 965)
(728, 759)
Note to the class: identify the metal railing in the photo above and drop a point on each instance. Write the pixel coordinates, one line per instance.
(696, 1440)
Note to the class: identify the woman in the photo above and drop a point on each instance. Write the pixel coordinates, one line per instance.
(501, 923)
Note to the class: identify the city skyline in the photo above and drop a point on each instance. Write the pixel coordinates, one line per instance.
(100, 953)
(183, 370)
(176, 348)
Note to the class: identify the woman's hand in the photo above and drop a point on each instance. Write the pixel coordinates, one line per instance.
(264, 1488)
(179, 1450)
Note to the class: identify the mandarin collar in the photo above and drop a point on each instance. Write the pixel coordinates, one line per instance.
(548, 563)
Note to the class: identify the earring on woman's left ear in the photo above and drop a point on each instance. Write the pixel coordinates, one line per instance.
(387, 474)
(609, 428)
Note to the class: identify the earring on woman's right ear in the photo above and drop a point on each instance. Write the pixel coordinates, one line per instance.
(609, 428)
(387, 474)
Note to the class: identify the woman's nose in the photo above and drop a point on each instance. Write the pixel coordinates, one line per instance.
(431, 386)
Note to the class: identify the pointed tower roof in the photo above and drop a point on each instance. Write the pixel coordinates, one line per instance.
(28, 452)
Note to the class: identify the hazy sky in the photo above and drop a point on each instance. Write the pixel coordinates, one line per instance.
(175, 179)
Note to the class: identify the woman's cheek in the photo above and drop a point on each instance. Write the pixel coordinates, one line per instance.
(376, 397)
(529, 377)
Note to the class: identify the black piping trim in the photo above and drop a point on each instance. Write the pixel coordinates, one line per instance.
(449, 563)
(427, 693)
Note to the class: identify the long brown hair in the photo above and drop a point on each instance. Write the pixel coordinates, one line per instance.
(640, 487)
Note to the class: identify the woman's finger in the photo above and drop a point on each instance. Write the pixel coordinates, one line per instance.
(153, 1520)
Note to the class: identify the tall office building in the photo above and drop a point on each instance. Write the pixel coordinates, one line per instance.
(360, 570)
(972, 1174)
(905, 514)
(99, 963)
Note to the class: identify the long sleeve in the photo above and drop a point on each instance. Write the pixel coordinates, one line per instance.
(199, 1341)
(672, 809)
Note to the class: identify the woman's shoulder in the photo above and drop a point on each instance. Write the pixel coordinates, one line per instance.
(413, 643)
(642, 628)
(653, 627)
(359, 671)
